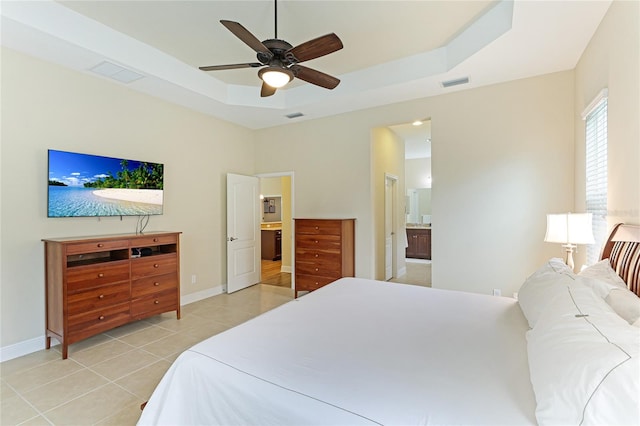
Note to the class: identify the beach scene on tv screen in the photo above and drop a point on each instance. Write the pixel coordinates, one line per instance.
(91, 185)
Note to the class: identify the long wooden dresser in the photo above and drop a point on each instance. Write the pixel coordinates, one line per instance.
(325, 251)
(94, 284)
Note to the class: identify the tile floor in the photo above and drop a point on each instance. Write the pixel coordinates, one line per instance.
(108, 376)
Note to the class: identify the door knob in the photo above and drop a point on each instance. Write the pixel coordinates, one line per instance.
(232, 239)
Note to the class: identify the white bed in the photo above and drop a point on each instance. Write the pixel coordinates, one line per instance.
(369, 352)
(439, 357)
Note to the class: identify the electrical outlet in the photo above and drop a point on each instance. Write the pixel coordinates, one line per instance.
(193, 279)
(497, 292)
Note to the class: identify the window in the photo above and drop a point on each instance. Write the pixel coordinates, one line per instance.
(595, 117)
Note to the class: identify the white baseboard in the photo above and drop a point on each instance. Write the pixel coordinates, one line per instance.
(38, 343)
(22, 348)
(200, 295)
(402, 271)
(286, 269)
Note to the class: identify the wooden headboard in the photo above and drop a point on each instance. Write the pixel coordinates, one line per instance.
(623, 251)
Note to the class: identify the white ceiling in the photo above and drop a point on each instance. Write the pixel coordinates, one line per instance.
(394, 50)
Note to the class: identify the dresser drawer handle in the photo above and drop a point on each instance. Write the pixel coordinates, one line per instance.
(317, 269)
(155, 240)
(101, 296)
(101, 317)
(156, 284)
(316, 241)
(155, 265)
(155, 302)
(317, 227)
(100, 245)
(100, 275)
(316, 255)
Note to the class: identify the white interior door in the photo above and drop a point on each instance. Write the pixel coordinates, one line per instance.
(243, 232)
(389, 220)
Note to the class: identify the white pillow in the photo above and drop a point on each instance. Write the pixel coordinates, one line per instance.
(542, 286)
(607, 284)
(604, 272)
(584, 362)
(625, 303)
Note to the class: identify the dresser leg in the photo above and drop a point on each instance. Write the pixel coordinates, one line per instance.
(178, 313)
(65, 350)
(47, 344)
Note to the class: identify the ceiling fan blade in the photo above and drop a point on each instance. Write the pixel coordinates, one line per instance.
(314, 77)
(315, 48)
(231, 66)
(267, 90)
(249, 39)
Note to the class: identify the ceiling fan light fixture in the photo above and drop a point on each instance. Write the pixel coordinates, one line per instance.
(275, 77)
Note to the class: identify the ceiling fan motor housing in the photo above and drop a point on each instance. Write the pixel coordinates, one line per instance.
(278, 48)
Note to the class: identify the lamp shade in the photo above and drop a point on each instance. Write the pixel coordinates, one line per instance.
(569, 228)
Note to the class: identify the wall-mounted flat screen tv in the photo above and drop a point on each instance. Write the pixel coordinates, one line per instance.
(83, 185)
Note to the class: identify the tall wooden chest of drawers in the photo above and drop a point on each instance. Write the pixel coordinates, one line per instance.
(94, 284)
(325, 251)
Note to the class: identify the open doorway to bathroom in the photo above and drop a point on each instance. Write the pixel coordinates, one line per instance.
(417, 198)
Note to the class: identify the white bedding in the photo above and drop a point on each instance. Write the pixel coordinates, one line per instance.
(358, 352)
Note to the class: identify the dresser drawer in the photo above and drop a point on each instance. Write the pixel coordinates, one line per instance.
(153, 285)
(90, 276)
(318, 255)
(96, 246)
(154, 240)
(315, 227)
(320, 242)
(311, 282)
(90, 323)
(328, 269)
(154, 265)
(98, 298)
(155, 303)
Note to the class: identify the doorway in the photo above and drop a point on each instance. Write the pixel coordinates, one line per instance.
(276, 194)
(416, 197)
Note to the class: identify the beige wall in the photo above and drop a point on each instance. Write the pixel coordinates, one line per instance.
(612, 60)
(45, 106)
(498, 172)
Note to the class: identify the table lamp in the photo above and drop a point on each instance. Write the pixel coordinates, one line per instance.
(569, 229)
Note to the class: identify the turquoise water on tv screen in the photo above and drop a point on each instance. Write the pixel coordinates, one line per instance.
(67, 201)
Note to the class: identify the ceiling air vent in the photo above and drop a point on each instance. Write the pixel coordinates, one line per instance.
(116, 72)
(294, 115)
(455, 82)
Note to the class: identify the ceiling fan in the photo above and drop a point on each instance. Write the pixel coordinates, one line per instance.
(280, 60)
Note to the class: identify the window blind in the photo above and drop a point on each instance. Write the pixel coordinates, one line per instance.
(596, 173)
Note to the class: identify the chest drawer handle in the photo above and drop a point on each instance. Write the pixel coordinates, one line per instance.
(317, 269)
(317, 227)
(155, 302)
(156, 284)
(100, 245)
(101, 317)
(316, 241)
(316, 254)
(155, 265)
(100, 275)
(101, 296)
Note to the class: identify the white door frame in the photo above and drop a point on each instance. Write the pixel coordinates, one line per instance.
(292, 245)
(390, 202)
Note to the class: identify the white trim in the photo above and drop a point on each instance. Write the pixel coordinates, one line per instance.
(22, 348)
(285, 269)
(604, 94)
(201, 295)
